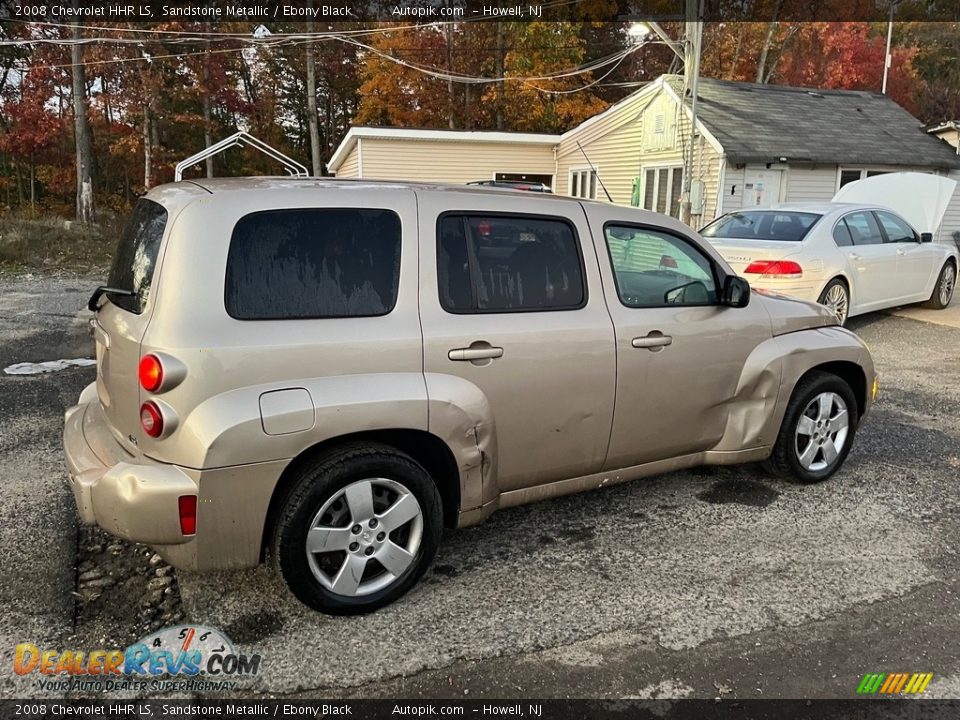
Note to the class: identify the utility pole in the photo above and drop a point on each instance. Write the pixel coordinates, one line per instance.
(312, 105)
(691, 74)
(886, 55)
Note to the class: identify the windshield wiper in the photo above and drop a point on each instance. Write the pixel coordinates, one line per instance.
(104, 290)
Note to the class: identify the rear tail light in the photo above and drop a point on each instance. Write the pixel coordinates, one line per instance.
(151, 419)
(187, 506)
(151, 373)
(775, 268)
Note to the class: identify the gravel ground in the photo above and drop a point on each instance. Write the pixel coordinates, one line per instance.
(712, 582)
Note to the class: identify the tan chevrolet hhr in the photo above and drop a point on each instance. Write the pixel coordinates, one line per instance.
(326, 373)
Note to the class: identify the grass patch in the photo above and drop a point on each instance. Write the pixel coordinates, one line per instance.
(54, 245)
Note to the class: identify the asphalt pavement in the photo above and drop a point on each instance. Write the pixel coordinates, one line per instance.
(707, 583)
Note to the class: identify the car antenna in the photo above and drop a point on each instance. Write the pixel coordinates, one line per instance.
(594, 171)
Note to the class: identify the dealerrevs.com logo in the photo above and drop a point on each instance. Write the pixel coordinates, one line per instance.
(894, 683)
(177, 658)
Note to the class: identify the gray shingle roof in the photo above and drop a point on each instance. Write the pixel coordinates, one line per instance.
(762, 123)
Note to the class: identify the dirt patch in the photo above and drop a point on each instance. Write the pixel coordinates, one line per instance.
(740, 492)
(54, 245)
(123, 591)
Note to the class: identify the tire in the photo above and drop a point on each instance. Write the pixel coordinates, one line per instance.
(789, 456)
(370, 481)
(836, 296)
(943, 290)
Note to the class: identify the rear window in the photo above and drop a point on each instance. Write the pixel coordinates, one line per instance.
(136, 255)
(762, 225)
(313, 263)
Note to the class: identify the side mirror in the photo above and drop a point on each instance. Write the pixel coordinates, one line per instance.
(926, 237)
(736, 292)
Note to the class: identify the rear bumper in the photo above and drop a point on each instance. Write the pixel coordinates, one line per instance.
(808, 290)
(133, 500)
(136, 498)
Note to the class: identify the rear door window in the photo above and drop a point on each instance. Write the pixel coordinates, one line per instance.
(516, 263)
(863, 228)
(313, 263)
(136, 255)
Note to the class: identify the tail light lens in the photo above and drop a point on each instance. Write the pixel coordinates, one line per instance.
(151, 373)
(775, 268)
(187, 505)
(151, 419)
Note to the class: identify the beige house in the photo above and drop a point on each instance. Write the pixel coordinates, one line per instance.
(755, 145)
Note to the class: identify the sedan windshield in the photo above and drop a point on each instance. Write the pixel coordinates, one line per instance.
(787, 226)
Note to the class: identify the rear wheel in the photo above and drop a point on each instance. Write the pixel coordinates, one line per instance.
(836, 296)
(943, 290)
(817, 431)
(357, 529)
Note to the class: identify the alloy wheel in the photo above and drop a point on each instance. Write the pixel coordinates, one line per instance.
(838, 301)
(947, 285)
(365, 537)
(821, 432)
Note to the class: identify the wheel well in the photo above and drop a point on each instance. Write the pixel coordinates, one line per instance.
(850, 373)
(842, 279)
(425, 448)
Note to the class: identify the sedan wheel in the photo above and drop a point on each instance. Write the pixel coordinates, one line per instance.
(836, 297)
(943, 290)
(821, 433)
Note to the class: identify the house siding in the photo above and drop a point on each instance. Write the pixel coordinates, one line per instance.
(350, 167)
(625, 142)
(951, 219)
(811, 184)
(448, 162)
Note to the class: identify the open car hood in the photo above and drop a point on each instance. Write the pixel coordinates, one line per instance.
(920, 198)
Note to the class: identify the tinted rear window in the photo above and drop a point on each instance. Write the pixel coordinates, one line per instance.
(136, 255)
(313, 263)
(763, 225)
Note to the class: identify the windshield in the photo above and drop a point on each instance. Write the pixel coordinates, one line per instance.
(762, 225)
(136, 255)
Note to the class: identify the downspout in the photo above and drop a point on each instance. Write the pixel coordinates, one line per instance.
(360, 158)
(556, 168)
(721, 187)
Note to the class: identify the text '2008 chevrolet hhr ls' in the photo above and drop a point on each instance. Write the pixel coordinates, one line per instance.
(326, 373)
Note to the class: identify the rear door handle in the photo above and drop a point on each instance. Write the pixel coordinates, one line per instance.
(653, 341)
(853, 256)
(901, 251)
(475, 353)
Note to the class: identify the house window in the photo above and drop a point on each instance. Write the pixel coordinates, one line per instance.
(849, 175)
(662, 187)
(583, 184)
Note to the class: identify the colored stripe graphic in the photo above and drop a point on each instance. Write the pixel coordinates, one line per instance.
(894, 683)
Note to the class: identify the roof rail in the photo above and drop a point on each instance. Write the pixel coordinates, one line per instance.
(240, 139)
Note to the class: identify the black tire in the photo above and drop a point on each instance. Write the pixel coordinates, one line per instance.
(941, 297)
(316, 484)
(823, 299)
(784, 460)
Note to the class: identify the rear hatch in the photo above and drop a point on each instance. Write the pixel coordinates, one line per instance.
(747, 236)
(121, 321)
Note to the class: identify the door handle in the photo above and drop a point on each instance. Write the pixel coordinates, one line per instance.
(901, 251)
(853, 256)
(653, 341)
(475, 352)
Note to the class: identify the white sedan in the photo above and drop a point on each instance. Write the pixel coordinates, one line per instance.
(850, 255)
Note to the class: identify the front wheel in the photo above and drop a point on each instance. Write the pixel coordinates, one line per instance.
(357, 529)
(836, 296)
(817, 431)
(943, 290)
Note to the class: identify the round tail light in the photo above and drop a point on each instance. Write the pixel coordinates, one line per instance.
(151, 419)
(151, 373)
